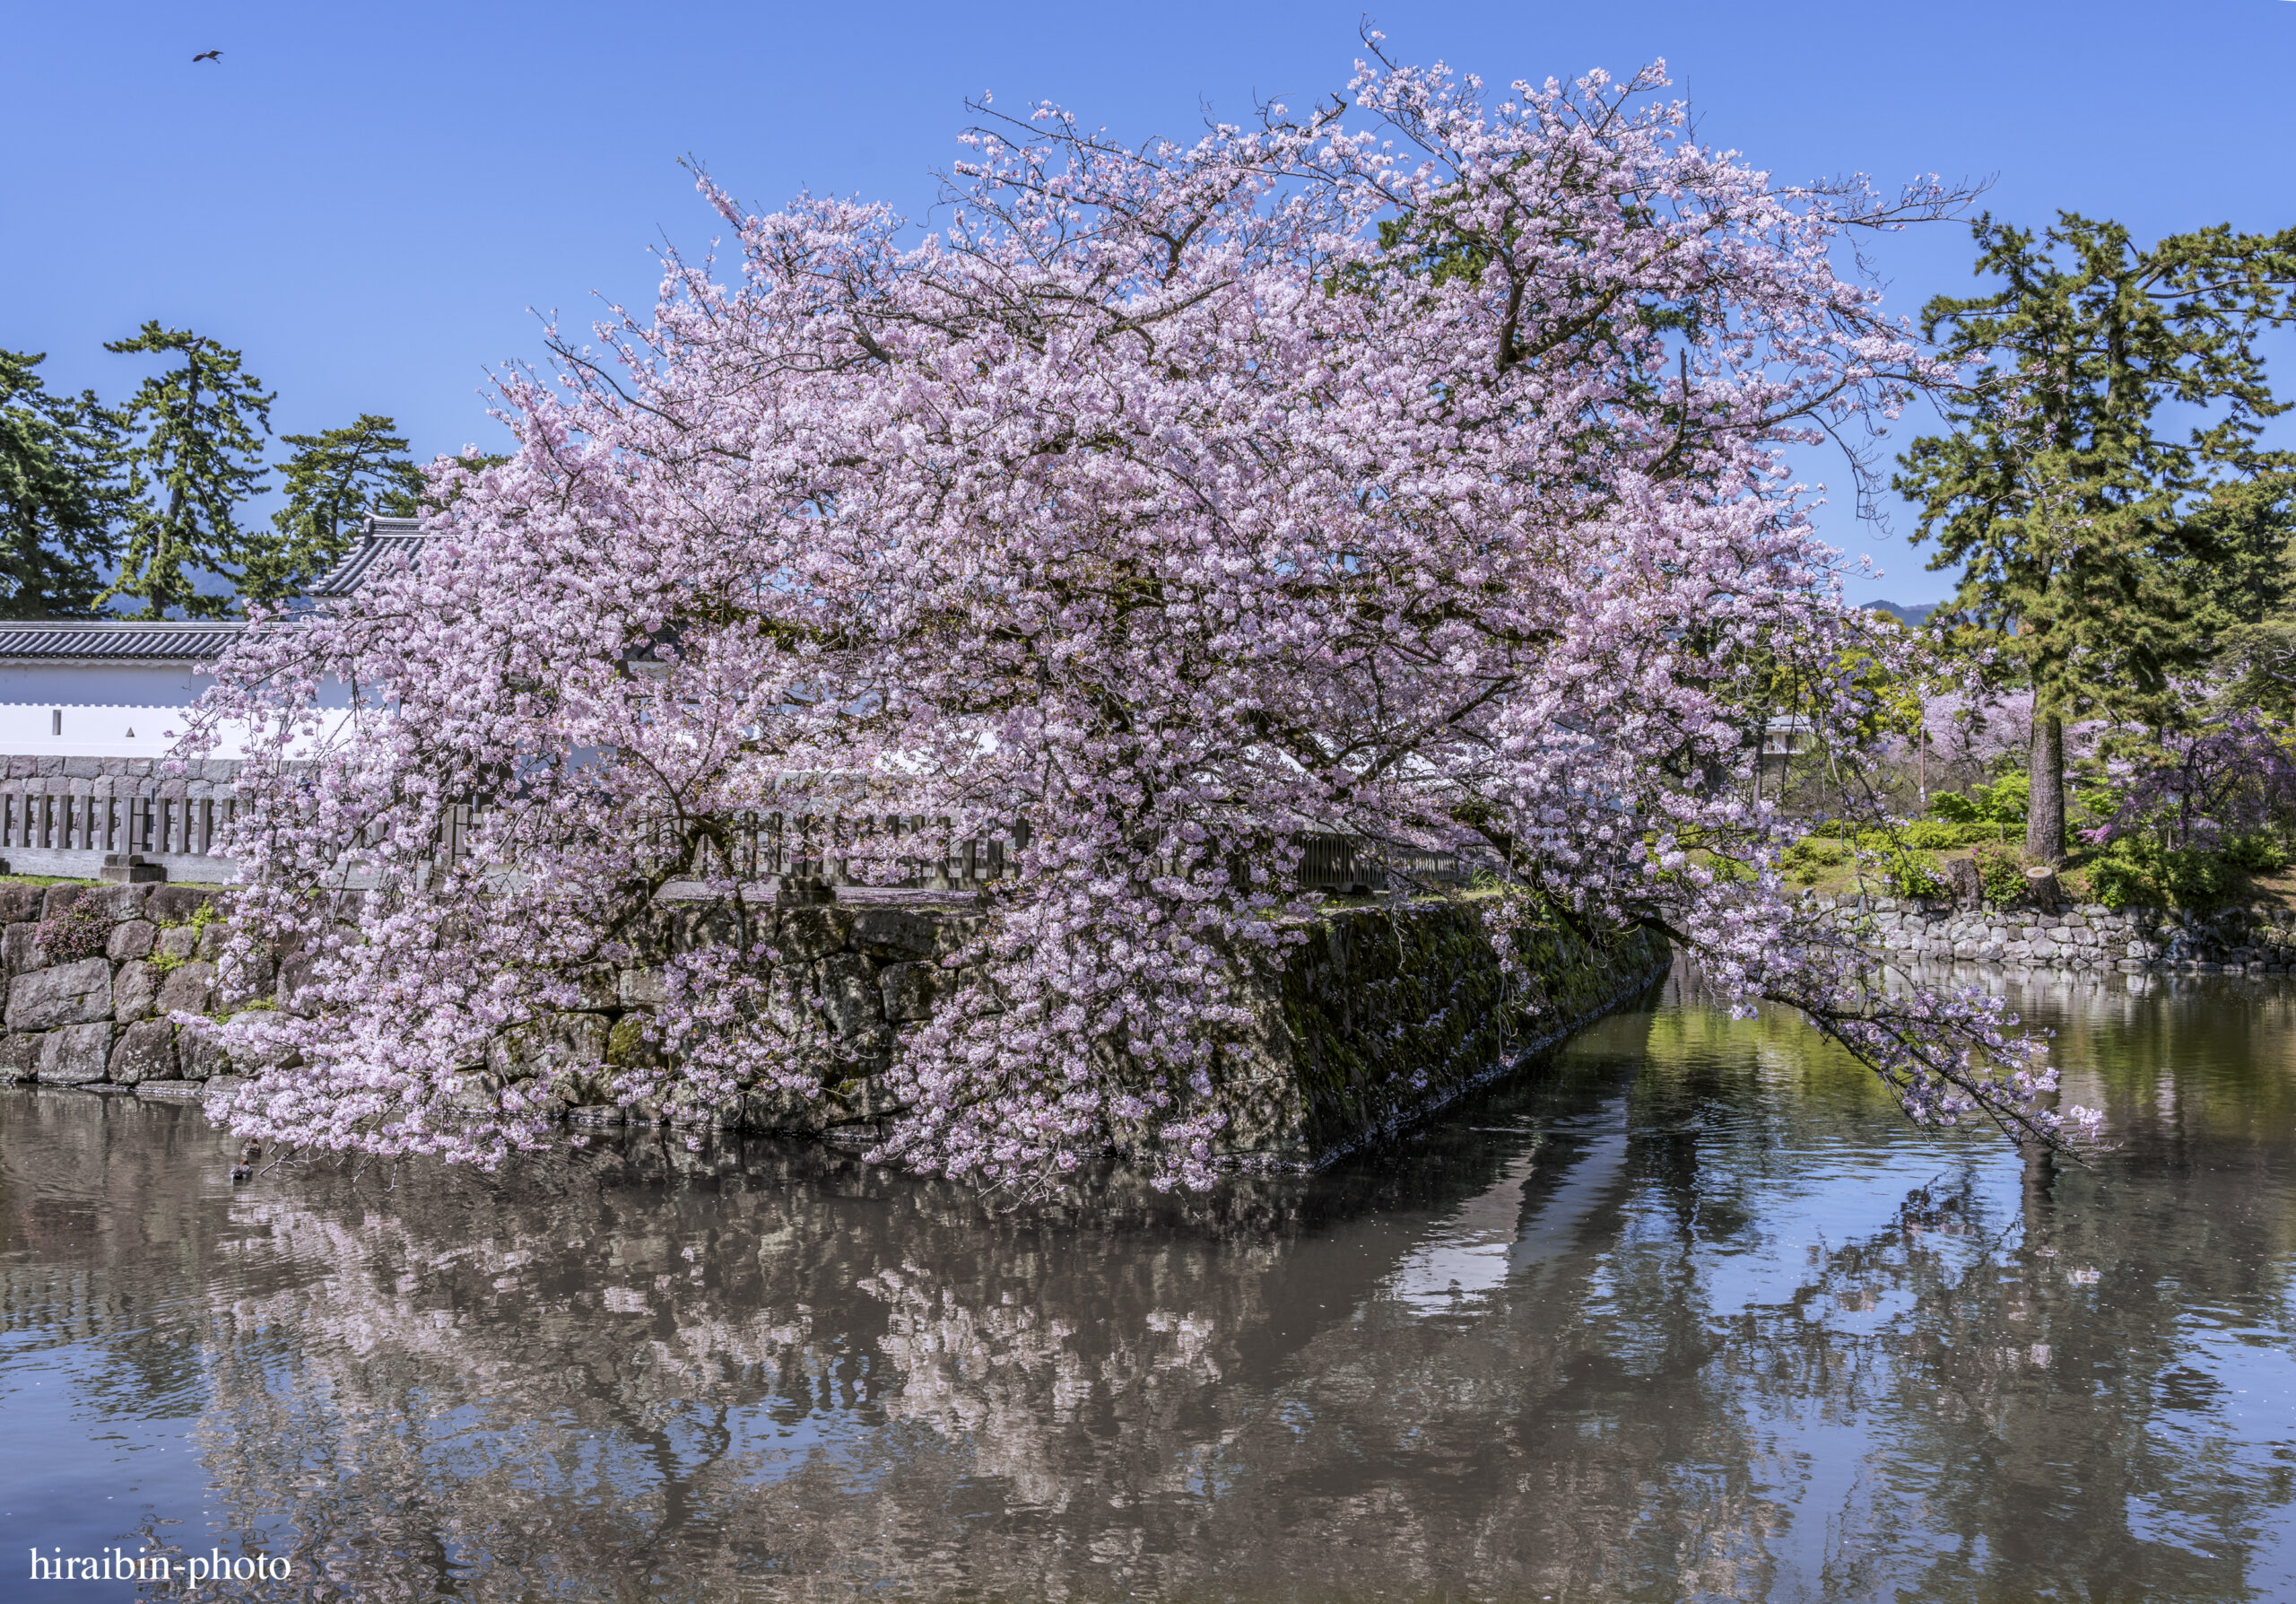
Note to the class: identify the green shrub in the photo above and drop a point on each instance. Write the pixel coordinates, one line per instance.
(1900, 857)
(1995, 808)
(1910, 873)
(1933, 835)
(1808, 857)
(2257, 854)
(2095, 803)
(2000, 872)
(2136, 872)
(2007, 798)
(1809, 850)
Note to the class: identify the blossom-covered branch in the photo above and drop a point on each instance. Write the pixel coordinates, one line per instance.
(1410, 474)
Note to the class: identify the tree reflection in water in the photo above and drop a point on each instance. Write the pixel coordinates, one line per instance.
(1688, 1315)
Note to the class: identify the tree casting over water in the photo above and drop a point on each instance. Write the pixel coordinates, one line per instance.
(1409, 470)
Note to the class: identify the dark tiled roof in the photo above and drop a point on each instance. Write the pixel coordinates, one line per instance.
(166, 641)
(174, 640)
(387, 540)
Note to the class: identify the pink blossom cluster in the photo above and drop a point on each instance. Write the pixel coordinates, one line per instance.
(1410, 471)
(2210, 786)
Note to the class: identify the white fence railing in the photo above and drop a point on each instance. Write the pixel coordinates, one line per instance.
(823, 849)
(45, 829)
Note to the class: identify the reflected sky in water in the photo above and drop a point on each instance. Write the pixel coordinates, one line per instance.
(1688, 1313)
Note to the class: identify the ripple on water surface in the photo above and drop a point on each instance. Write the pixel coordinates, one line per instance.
(1687, 1313)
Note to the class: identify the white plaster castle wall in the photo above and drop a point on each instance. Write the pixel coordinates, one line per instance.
(107, 709)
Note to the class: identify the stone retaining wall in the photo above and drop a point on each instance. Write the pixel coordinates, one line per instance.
(2258, 940)
(1386, 1013)
(102, 1019)
(1383, 1014)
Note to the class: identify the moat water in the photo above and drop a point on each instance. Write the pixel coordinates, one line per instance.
(1688, 1313)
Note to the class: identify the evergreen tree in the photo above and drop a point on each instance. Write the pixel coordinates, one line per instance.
(56, 495)
(2103, 554)
(2260, 656)
(333, 481)
(193, 452)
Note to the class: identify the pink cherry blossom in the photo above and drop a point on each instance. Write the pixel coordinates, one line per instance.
(1410, 470)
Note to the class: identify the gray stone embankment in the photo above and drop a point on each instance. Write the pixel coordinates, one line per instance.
(2249, 939)
(1380, 1016)
(99, 1016)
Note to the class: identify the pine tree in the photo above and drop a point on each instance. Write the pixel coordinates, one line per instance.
(56, 495)
(334, 479)
(193, 453)
(2101, 557)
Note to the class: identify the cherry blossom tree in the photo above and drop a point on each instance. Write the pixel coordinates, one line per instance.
(2206, 790)
(1410, 470)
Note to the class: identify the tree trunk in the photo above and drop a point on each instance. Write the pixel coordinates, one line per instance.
(172, 531)
(2045, 810)
(1968, 886)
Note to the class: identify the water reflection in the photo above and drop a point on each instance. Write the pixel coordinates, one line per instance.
(1688, 1315)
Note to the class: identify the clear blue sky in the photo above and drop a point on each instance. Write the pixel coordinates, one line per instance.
(368, 200)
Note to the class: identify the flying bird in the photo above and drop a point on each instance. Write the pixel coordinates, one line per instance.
(207, 56)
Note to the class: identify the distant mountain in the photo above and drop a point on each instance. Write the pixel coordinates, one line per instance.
(1913, 614)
